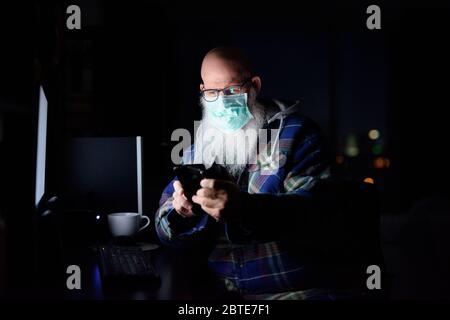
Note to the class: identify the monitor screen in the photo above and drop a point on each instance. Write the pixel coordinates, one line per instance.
(103, 174)
(41, 146)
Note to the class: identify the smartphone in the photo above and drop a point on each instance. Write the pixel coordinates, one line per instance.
(190, 177)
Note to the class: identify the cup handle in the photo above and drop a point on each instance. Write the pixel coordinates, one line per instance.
(146, 224)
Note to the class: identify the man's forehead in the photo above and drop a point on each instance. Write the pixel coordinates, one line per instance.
(219, 72)
(219, 80)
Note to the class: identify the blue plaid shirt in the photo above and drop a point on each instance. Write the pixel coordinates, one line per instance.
(266, 251)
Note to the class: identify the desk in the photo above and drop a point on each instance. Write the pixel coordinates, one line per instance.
(184, 275)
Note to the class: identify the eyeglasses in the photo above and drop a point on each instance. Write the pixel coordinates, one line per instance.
(211, 95)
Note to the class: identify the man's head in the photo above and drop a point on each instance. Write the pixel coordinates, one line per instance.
(226, 66)
(226, 73)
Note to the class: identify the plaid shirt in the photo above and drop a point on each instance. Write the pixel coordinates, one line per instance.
(263, 252)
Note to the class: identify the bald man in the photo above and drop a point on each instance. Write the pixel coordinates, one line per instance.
(259, 220)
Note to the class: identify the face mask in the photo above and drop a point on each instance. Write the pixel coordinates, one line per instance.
(229, 113)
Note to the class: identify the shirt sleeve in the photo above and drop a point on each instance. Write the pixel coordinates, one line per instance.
(173, 229)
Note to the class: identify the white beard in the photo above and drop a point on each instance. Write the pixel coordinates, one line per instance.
(233, 150)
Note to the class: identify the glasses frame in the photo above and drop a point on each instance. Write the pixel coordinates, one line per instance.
(202, 92)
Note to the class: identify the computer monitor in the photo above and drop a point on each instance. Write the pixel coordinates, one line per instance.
(103, 174)
(41, 146)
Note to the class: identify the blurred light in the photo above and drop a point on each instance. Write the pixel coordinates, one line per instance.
(351, 146)
(369, 180)
(374, 134)
(97, 217)
(352, 151)
(379, 163)
(97, 282)
(377, 149)
(339, 159)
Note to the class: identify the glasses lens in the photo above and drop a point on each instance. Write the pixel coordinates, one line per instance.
(232, 90)
(210, 95)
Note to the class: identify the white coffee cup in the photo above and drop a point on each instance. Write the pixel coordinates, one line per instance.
(126, 223)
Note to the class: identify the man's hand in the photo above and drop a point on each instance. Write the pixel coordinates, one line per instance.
(180, 203)
(218, 198)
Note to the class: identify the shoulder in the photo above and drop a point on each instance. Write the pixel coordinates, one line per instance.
(299, 126)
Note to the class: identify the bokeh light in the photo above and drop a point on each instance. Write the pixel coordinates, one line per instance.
(374, 134)
(369, 180)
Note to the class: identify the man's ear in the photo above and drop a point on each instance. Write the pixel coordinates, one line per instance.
(201, 86)
(256, 81)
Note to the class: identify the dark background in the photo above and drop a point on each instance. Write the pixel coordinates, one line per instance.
(134, 69)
